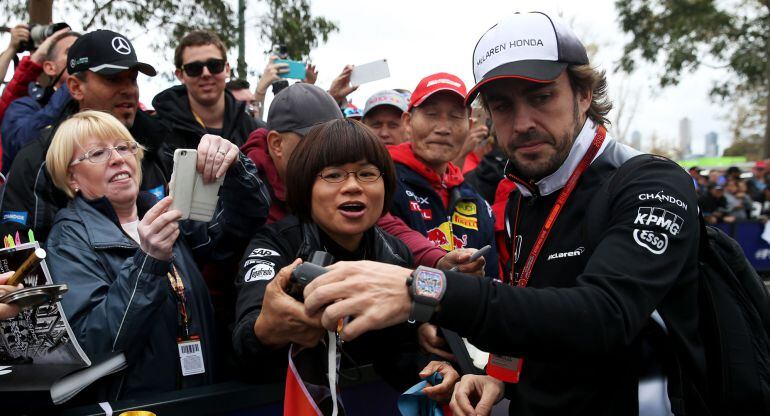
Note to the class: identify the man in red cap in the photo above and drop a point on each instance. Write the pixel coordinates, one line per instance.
(432, 197)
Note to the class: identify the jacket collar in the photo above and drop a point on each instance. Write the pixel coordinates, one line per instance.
(102, 220)
(404, 155)
(558, 179)
(173, 104)
(256, 150)
(378, 246)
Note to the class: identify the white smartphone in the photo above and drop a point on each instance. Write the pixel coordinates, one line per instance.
(372, 71)
(196, 200)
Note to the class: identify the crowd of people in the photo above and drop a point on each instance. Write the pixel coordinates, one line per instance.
(730, 195)
(400, 193)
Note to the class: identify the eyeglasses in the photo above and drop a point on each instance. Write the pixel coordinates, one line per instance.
(103, 154)
(195, 69)
(339, 175)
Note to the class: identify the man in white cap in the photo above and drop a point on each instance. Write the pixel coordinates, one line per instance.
(592, 281)
(383, 112)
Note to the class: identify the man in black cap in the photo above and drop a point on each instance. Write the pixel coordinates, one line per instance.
(202, 104)
(103, 68)
(598, 267)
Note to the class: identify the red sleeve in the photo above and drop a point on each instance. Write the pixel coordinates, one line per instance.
(26, 72)
(425, 253)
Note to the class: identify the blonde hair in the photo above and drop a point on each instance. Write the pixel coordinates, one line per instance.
(68, 137)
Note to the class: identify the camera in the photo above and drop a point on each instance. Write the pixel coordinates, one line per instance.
(282, 53)
(39, 33)
(306, 272)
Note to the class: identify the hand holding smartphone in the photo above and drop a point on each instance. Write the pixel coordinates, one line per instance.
(195, 199)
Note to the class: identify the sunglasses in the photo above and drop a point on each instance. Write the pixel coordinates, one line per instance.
(195, 69)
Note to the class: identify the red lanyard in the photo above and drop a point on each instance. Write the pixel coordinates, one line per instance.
(526, 272)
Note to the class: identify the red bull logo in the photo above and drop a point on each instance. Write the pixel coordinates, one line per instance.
(443, 237)
(438, 237)
(460, 243)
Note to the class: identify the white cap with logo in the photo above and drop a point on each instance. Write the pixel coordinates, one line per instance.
(532, 46)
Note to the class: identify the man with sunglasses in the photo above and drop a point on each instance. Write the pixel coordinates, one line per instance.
(202, 104)
(103, 69)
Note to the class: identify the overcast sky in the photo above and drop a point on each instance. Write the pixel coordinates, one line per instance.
(420, 37)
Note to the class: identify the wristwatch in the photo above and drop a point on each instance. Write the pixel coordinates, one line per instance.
(427, 287)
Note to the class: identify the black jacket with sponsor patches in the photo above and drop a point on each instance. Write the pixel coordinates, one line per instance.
(460, 218)
(277, 245)
(605, 274)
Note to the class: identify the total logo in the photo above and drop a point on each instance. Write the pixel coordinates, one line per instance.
(443, 237)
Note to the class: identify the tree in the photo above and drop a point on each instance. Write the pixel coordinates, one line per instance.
(686, 34)
(173, 19)
(289, 23)
(746, 120)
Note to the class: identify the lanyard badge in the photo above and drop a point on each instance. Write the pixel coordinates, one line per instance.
(505, 368)
(189, 346)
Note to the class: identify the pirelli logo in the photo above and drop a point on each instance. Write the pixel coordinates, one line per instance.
(466, 222)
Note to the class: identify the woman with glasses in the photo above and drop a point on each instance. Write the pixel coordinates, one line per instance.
(340, 182)
(129, 262)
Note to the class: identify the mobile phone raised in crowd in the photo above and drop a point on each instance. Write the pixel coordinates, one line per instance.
(475, 256)
(194, 198)
(369, 72)
(296, 69)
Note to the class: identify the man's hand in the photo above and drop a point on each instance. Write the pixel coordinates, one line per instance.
(476, 395)
(430, 341)
(159, 229)
(270, 75)
(477, 133)
(311, 75)
(441, 392)
(459, 258)
(375, 294)
(8, 311)
(19, 34)
(341, 87)
(215, 155)
(39, 55)
(283, 320)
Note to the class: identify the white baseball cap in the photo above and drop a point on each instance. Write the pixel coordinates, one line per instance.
(532, 46)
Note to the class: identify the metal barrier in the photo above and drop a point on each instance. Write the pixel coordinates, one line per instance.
(367, 396)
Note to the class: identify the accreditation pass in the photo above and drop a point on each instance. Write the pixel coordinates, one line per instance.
(191, 357)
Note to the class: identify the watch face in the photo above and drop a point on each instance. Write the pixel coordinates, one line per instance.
(429, 284)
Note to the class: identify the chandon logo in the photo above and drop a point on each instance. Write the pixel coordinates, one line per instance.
(574, 253)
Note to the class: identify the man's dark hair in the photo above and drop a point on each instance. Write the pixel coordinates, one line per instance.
(334, 143)
(584, 78)
(51, 54)
(198, 38)
(238, 84)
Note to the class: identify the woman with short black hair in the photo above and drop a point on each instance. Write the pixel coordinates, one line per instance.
(341, 182)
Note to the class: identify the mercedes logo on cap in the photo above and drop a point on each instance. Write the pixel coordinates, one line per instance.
(121, 45)
(72, 63)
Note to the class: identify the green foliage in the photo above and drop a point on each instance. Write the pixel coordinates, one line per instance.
(289, 23)
(167, 18)
(684, 34)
